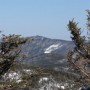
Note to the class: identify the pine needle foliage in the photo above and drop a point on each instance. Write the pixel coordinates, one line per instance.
(9, 51)
(79, 57)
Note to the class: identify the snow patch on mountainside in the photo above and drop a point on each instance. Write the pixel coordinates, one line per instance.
(52, 48)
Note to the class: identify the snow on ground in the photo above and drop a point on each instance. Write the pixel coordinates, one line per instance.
(28, 71)
(13, 76)
(43, 79)
(52, 48)
(47, 83)
(16, 76)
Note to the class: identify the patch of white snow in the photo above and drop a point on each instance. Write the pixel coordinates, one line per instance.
(62, 87)
(28, 71)
(13, 76)
(52, 48)
(18, 81)
(43, 79)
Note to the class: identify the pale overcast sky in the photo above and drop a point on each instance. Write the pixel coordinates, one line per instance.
(47, 18)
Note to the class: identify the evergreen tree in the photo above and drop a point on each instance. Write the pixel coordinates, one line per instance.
(9, 51)
(79, 57)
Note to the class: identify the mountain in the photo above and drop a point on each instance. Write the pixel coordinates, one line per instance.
(42, 65)
(45, 52)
